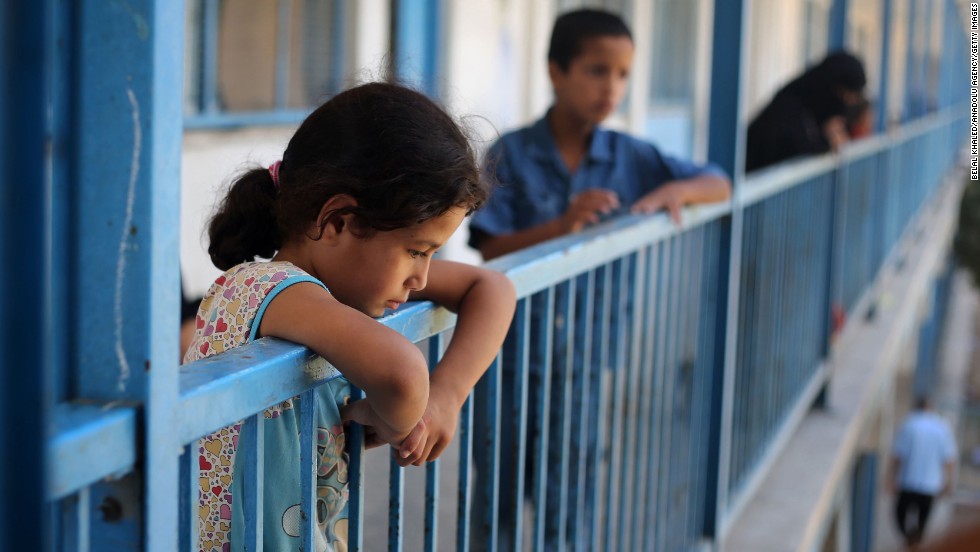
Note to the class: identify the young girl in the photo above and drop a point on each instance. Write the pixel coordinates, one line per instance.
(370, 186)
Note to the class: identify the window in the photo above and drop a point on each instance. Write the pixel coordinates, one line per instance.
(262, 61)
(674, 51)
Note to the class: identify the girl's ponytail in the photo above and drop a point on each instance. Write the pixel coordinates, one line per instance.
(245, 225)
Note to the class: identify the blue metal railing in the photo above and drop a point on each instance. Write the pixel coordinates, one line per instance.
(642, 342)
(627, 334)
(816, 235)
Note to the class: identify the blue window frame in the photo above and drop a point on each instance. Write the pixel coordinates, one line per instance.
(261, 63)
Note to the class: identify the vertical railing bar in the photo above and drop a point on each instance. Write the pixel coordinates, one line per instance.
(519, 413)
(284, 22)
(431, 538)
(796, 348)
(465, 493)
(698, 386)
(614, 403)
(253, 455)
(542, 421)
(662, 367)
(74, 531)
(355, 471)
(631, 423)
(625, 406)
(765, 338)
(307, 470)
(599, 492)
(684, 316)
(778, 292)
(396, 499)
(567, 309)
(646, 392)
(432, 468)
(189, 490)
(678, 286)
(618, 389)
(585, 413)
(743, 353)
(654, 329)
(491, 495)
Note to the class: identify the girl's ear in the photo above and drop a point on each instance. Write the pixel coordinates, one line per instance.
(335, 216)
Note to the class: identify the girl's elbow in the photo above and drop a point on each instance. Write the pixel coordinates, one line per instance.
(410, 379)
(502, 287)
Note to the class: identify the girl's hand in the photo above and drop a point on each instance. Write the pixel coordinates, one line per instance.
(376, 432)
(439, 424)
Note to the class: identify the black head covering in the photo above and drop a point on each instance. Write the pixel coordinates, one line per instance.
(817, 87)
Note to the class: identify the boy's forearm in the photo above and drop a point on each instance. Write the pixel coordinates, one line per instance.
(484, 316)
(706, 189)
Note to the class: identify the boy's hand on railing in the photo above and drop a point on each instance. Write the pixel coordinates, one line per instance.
(669, 197)
(440, 421)
(586, 208)
(376, 432)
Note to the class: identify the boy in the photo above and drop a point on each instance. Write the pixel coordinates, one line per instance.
(564, 172)
(560, 175)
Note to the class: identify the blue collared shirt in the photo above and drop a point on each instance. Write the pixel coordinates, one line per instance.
(536, 187)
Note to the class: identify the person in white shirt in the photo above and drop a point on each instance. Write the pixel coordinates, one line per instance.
(923, 458)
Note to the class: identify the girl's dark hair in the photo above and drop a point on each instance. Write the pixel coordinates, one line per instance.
(573, 28)
(398, 154)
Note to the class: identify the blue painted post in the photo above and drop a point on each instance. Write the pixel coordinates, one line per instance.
(726, 147)
(418, 28)
(125, 278)
(837, 37)
(881, 124)
(58, 205)
(23, 230)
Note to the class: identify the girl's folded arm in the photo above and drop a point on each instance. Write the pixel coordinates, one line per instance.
(389, 369)
(484, 301)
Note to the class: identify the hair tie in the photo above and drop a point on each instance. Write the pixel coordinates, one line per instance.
(274, 173)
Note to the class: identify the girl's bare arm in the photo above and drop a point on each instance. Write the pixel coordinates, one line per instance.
(391, 370)
(484, 302)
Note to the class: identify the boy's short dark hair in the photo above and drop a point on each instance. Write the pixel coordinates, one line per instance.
(572, 28)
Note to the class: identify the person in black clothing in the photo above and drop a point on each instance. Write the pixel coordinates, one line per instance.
(809, 115)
